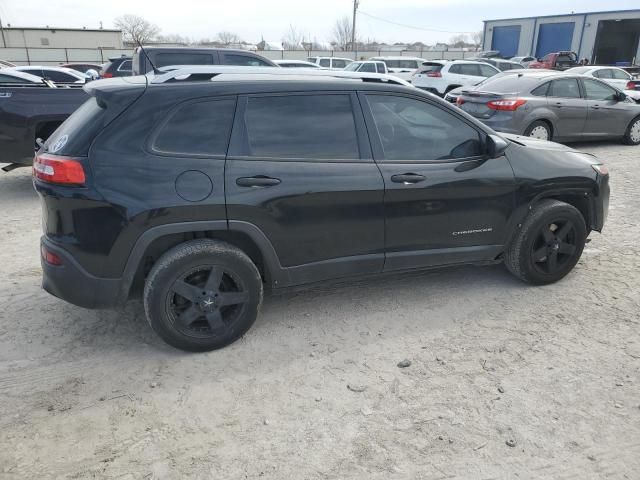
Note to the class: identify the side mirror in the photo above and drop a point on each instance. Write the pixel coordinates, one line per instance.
(496, 146)
(621, 97)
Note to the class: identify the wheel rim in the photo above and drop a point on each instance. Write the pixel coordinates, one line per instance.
(555, 246)
(540, 133)
(634, 133)
(206, 301)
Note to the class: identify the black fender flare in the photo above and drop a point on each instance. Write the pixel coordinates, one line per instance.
(276, 275)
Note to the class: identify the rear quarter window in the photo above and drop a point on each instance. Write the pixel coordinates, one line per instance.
(73, 138)
(199, 128)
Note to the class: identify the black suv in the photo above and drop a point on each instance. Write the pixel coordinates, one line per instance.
(202, 192)
(116, 67)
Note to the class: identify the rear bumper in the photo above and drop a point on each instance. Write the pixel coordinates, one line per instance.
(70, 282)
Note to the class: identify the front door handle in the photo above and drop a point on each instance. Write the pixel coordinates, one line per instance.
(408, 178)
(257, 181)
(596, 107)
(558, 105)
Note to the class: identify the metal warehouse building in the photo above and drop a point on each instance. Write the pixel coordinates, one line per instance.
(602, 37)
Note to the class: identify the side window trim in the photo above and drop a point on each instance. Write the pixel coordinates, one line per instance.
(239, 142)
(374, 138)
(157, 128)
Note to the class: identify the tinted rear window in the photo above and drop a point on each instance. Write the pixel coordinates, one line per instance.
(199, 128)
(302, 126)
(509, 83)
(182, 58)
(74, 136)
(430, 67)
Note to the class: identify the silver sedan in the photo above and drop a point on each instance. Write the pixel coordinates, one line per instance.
(553, 105)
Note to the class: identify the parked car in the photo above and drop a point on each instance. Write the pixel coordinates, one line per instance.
(402, 67)
(614, 76)
(524, 61)
(442, 76)
(295, 64)
(31, 109)
(180, 56)
(9, 76)
(116, 67)
(556, 61)
(322, 179)
(500, 64)
(333, 63)
(553, 105)
(369, 66)
(55, 74)
(83, 67)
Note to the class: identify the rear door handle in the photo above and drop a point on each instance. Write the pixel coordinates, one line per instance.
(257, 181)
(408, 178)
(595, 107)
(558, 105)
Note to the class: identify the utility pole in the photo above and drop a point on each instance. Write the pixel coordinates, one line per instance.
(353, 27)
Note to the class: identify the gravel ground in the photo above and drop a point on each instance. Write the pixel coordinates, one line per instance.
(505, 380)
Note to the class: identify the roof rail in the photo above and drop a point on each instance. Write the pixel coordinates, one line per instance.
(185, 73)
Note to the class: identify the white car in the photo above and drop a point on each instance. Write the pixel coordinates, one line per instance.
(295, 64)
(524, 61)
(55, 74)
(614, 76)
(9, 75)
(402, 67)
(367, 66)
(442, 76)
(333, 63)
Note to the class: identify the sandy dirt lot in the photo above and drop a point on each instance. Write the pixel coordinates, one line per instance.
(505, 381)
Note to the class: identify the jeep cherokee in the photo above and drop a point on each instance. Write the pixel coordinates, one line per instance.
(198, 191)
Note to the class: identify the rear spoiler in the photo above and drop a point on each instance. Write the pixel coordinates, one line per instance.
(116, 94)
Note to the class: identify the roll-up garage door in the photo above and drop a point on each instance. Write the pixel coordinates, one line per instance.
(506, 39)
(554, 37)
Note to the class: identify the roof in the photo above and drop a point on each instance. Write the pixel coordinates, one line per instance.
(65, 29)
(564, 15)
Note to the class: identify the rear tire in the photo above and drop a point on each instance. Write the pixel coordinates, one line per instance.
(540, 130)
(548, 245)
(632, 135)
(202, 295)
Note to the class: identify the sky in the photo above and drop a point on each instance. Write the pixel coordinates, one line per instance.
(253, 20)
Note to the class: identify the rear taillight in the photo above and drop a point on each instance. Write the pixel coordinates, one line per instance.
(107, 75)
(50, 257)
(509, 105)
(433, 74)
(630, 85)
(61, 170)
(459, 101)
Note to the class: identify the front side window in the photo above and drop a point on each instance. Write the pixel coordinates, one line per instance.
(368, 67)
(565, 88)
(199, 128)
(302, 126)
(598, 91)
(411, 129)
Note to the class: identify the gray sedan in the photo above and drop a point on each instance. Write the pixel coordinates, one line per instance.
(553, 105)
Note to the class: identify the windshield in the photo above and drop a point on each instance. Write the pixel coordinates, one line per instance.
(353, 66)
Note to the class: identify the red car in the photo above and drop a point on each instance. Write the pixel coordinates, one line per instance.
(556, 61)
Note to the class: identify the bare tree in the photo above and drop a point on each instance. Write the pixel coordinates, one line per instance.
(458, 41)
(227, 38)
(476, 39)
(342, 33)
(136, 29)
(173, 38)
(293, 39)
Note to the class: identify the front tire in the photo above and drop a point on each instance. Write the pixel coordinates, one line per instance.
(202, 295)
(540, 130)
(632, 135)
(548, 245)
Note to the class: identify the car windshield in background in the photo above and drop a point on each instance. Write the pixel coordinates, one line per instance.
(352, 67)
(401, 63)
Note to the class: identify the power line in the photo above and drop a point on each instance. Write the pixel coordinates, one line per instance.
(407, 26)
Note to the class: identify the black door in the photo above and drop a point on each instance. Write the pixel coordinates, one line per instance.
(300, 169)
(445, 201)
